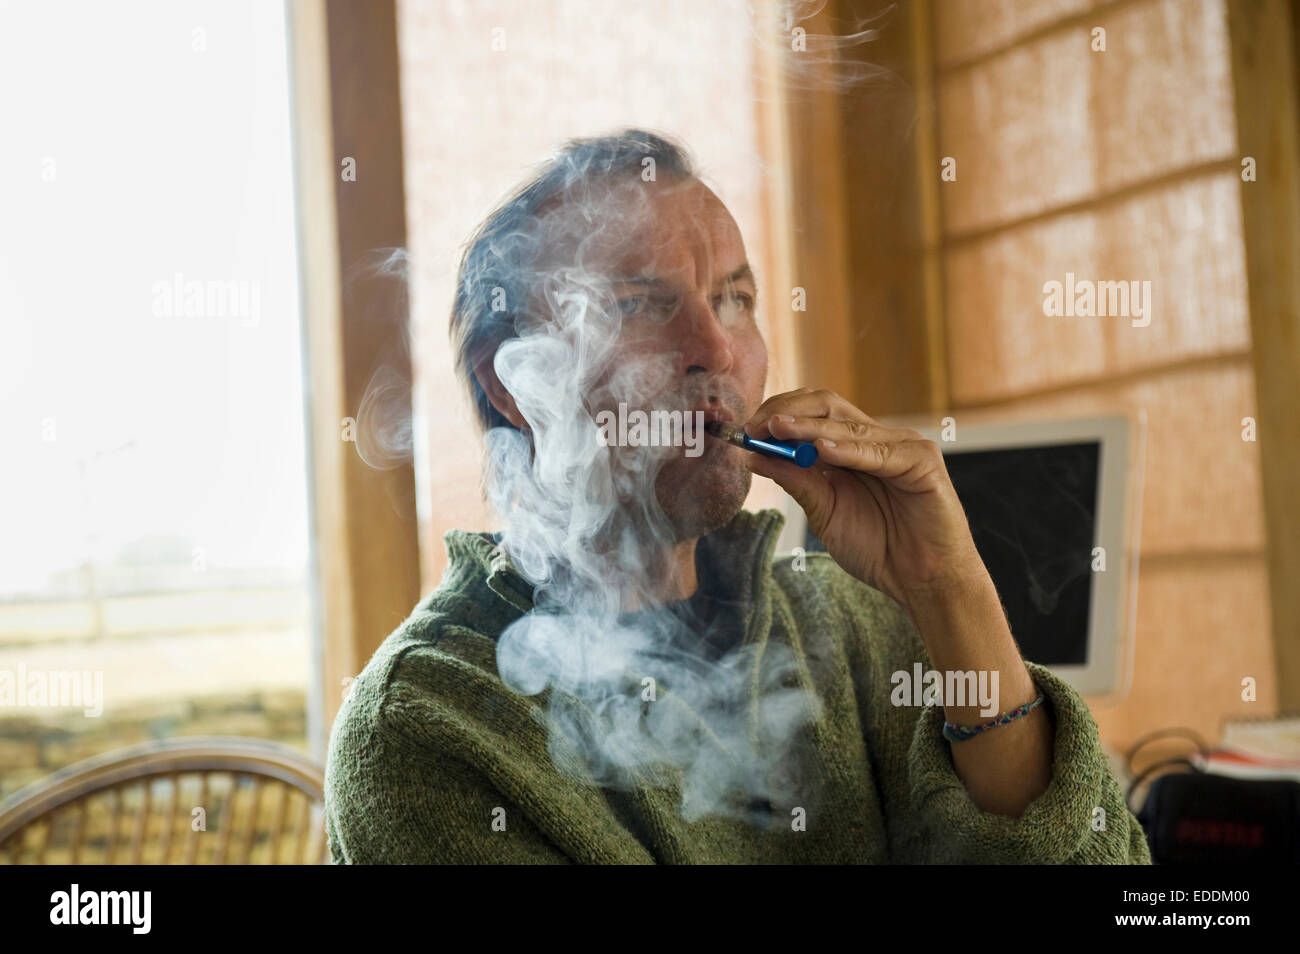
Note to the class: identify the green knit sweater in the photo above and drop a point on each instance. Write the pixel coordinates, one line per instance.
(432, 759)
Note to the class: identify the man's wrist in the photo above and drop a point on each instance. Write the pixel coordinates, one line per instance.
(964, 628)
(961, 589)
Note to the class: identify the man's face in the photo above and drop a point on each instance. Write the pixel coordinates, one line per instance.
(672, 259)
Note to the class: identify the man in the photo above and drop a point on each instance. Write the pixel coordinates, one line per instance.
(623, 674)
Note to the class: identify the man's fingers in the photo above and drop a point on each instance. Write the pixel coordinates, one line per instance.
(836, 429)
(803, 403)
(847, 438)
(915, 465)
(808, 486)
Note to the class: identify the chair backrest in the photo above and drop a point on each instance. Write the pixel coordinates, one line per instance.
(199, 800)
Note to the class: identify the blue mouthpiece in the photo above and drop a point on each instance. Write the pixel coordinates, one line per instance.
(801, 452)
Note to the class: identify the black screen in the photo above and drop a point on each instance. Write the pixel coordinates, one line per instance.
(1033, 514)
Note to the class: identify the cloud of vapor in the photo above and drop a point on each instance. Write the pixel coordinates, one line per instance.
(384, 429)
(818, 52)
(585, 525)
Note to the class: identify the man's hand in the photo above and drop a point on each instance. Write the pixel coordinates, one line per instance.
(879, 498)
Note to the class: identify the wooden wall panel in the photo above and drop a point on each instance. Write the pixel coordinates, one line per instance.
(965, 29)
(1051, 122)
(1018, 129)
(1000, 344)
(1162, 91)
(1264, 57)
(1201, 627)
(891, 337)
(1185, 239)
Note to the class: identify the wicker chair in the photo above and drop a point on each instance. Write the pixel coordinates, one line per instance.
(200, 800)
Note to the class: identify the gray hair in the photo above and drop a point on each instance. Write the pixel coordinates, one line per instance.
(492, 284)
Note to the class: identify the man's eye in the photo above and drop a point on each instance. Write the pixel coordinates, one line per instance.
(644, 306)
(630, 306)
(734, 301)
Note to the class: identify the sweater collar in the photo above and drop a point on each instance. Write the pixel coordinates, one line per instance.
(733, 562)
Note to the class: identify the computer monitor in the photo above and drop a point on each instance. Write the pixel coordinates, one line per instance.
(1053, 509)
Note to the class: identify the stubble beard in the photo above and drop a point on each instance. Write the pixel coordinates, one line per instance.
(698, 497)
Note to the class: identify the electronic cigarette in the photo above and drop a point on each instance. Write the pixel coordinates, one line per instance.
(801, 452)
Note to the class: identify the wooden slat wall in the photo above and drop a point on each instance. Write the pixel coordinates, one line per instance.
(1120, 165)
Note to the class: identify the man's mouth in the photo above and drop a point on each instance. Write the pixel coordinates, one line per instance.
(696, 424)
(699, 418)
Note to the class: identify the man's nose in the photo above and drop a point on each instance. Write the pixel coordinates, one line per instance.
(704, 342)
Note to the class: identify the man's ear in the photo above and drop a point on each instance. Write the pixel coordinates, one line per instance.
(496, 392)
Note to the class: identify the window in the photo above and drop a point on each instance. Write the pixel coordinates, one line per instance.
(154, 493)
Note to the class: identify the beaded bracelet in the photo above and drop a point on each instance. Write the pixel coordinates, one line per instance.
(961, 733)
